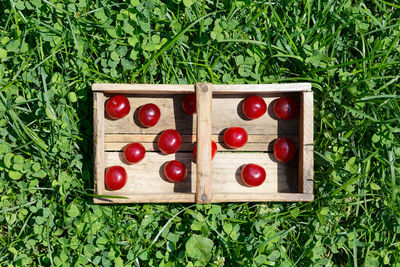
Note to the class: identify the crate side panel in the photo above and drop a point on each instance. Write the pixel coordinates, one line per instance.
(98, 141)
(120, 88)
(188, 88)
(306, 137)
(148, 198)
(260, 88)
(270, 197)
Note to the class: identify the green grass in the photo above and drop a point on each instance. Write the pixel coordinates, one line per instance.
(52, 51)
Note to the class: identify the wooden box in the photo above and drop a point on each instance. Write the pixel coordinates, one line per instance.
(218, 108)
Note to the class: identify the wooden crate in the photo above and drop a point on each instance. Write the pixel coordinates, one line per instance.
(218, 108)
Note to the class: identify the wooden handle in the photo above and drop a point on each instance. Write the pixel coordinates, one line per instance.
(203, 161)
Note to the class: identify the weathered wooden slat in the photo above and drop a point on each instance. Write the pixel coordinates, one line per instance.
(270, 197)
(187, 88)
(226, 112)
(255, 143)
(146, 177)
(190, 198)
(306, 136)
(98, 140)
(149, 138)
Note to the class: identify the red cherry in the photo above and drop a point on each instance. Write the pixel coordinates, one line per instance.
(175, 171)
(253, 175)
(134, 153)
(286, 108)
(254, 107)
(213, 149)
(284, 149)
(235, 137)
(117, 107)
(170, 141)
(149, 115)
(115, 177)
(189, 104)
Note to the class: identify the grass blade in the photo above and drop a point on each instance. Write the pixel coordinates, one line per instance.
(171, 43)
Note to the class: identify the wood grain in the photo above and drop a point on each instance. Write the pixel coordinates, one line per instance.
(190, 198)
(117, 142)
(281, 177)
(150, 138)
(260, 88)
(147, 176)
(187, 88)
(98, 141)
(188, 147)
(147, 89)
(306, 137)
(270, 197)
(148, 198)
(226, 112)
(203, 170)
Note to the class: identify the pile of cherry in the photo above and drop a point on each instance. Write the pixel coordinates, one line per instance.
(169, 142)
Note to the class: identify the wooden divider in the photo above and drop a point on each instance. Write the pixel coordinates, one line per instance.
(203, 162)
